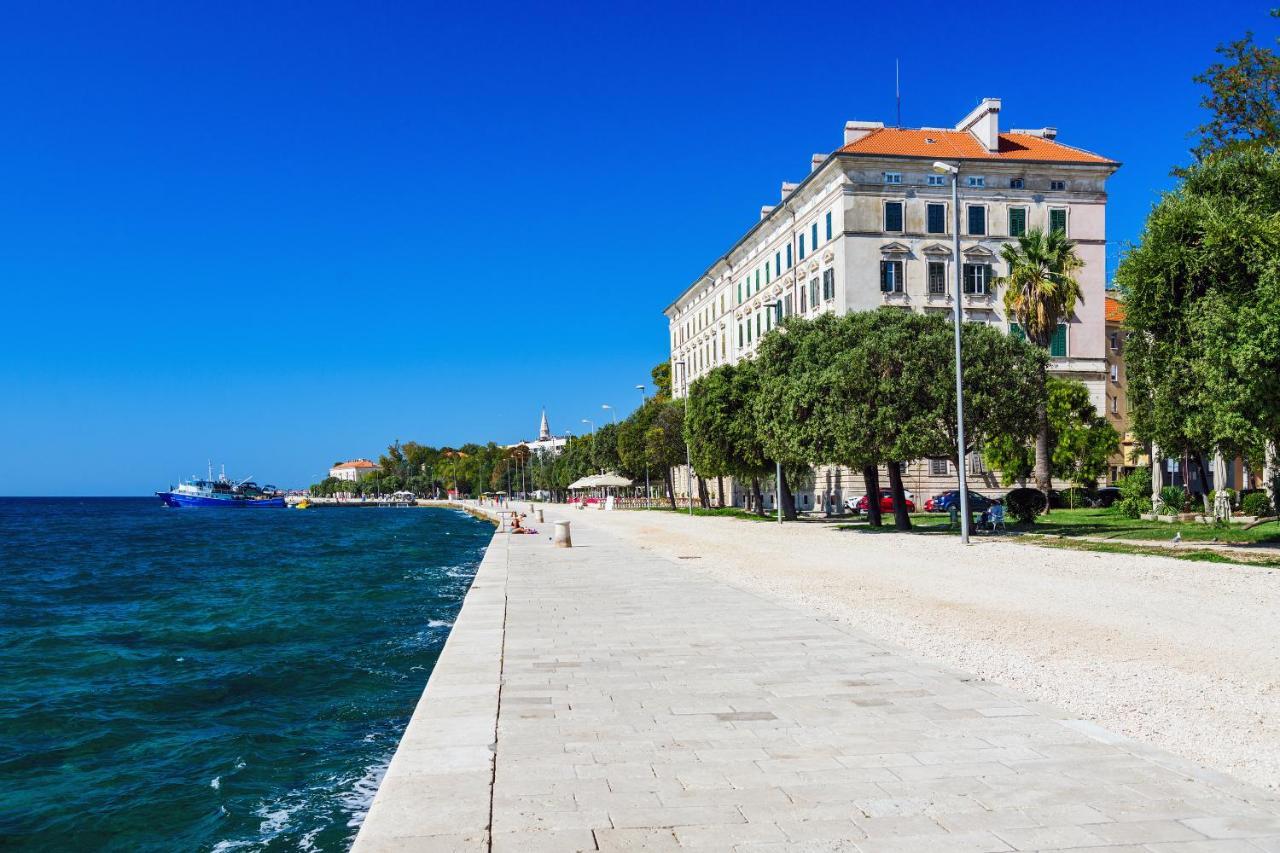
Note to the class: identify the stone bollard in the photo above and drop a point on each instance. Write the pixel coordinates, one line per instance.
(540, 519)
(562, 538)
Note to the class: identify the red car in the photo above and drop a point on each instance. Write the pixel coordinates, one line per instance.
(886, 503)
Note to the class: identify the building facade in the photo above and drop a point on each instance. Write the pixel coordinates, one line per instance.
(353, 470)
(872, 225)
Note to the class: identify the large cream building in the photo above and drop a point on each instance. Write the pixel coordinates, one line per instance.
(871, 225)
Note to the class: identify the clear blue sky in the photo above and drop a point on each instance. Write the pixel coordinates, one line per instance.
(276, 235)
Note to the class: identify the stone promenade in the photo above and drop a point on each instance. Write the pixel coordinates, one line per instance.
(602, 698)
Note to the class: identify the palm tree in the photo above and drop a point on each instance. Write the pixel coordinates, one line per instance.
(1040, 292)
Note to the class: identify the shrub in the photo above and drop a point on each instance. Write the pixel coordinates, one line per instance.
(1025, 504)
(1135, 485)
(1256, 503)
(1132, 507)
(1173, 499)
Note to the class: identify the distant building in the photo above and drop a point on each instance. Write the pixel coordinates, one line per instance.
(546, 442)
(356, 469)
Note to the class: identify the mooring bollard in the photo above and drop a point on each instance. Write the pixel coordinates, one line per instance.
(540, 516)
(562, 538)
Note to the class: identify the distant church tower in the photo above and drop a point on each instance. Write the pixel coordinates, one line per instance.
(544, 431)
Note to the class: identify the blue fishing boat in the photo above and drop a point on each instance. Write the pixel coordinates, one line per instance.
(221, 492)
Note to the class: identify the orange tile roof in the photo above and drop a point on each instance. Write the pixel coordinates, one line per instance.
(963, 145)
(1115, 310)
(357, 463)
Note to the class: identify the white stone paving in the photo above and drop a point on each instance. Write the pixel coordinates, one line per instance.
(646, 706)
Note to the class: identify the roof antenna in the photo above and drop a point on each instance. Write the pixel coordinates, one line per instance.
(897, 91)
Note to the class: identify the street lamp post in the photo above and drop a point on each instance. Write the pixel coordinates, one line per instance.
(954, 172)
(777, 480)
(648, 495)
(591, 424)
(688, 457)
(612, 416)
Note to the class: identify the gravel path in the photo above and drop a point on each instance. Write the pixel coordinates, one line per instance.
(1181, 655)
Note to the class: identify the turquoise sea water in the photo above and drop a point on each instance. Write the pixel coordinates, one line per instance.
(212, 679)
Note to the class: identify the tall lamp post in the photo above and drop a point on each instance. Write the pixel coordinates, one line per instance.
(954, 172)
(612, 416)
(777, 480)
(591, 424)
(648, 499)
(688, 458)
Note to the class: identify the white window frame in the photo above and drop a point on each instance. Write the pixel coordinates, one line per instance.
(1057, 186)
(1115, 373)
(987, 275)
(900, 280)
(937, 180)
(893, 177)
(928, 285)
(939, 467)
(1017, 183)
(975, 182)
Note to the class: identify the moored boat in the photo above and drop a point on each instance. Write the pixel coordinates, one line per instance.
(222, 492)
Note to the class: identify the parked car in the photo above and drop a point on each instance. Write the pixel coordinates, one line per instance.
(943, 502)
(861, 505)
(1108, 495)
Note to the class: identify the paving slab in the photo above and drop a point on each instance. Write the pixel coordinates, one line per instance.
(602, 697)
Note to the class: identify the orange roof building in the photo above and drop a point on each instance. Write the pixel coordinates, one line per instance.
(1115, 311)
(354, 469)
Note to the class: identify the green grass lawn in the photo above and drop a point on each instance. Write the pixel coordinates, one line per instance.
(1112, 525)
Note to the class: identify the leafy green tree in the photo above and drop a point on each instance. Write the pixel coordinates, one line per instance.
(1243, 99)
(1040, 292)
(1202, 301)
(1080, 440)
(721, 428)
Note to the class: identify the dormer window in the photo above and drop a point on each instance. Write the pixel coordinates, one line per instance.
(893, 177)
(1057, 186)
(1017, 184)
(976, 181)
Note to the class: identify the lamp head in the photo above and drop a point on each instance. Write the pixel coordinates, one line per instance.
(945, 168)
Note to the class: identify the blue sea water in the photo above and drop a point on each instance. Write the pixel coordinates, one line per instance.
(212, 679)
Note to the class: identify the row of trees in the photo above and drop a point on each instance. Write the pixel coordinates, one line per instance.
(1202, 286)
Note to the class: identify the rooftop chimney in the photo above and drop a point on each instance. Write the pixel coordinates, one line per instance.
(984, 123)
(855, 130)
(787, 187)
(765, 210)
(816, 161)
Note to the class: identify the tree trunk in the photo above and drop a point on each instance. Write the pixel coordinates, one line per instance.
(871, 480)
(720, 491)
(671, 492)
(703, 500)
(788, 499)
(1043, 480)
(901, 520)
(758, 496)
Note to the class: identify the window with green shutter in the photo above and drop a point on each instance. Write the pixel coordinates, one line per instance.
(739, 293)
(788, 256)
(813, 291)
(1017, 221)
(815, 236)
(802, 247)
(777, 263)
(1058, 344)
(739, 335)
(1058, 219)
(828, 225)
(891, 276)
(977, 278)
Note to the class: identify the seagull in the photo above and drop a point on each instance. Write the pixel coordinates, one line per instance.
(1177, 537)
